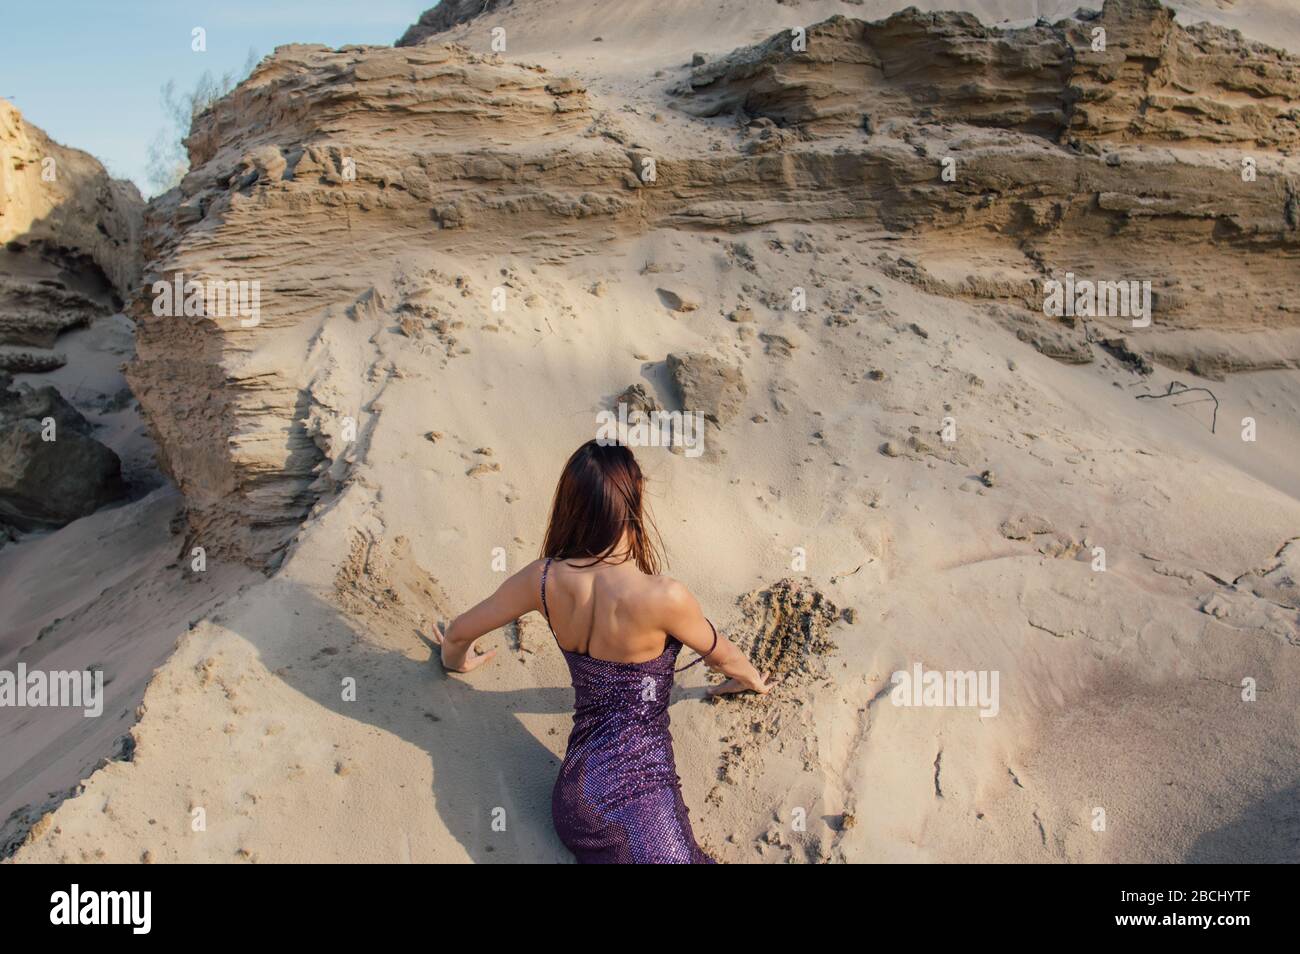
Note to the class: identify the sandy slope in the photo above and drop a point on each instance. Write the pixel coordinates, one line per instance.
(105, 592)
(1117, 689)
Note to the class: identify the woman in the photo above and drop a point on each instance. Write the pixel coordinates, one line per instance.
(620, 626)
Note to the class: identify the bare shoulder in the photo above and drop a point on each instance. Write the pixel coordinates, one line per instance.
(531, 571)
(529, 575)
(672, 595)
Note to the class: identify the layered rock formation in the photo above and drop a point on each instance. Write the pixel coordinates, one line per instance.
(70, 257)
(1127, 73)
(62, 198)
(318, 159)
(1162, 138)
(71, 243)
(1062, 159)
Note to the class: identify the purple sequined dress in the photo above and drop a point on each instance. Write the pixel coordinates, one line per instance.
(618, 799)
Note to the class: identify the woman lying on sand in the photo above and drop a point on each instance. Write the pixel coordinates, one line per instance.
(618, 798)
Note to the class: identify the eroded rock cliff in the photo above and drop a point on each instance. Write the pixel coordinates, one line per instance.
(71, 256)
(63, 198)
(1041, 151)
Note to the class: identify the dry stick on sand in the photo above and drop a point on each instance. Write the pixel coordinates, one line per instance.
(1170, 392)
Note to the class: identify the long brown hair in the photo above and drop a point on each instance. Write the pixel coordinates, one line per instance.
(600, 494)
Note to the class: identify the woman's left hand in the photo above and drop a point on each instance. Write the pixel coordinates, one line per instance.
(734, 685)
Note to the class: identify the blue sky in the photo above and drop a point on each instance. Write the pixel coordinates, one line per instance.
(88, 72)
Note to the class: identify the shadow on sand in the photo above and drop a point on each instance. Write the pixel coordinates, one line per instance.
(1268, 832)
(482, 754)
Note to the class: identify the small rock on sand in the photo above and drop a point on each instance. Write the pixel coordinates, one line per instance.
(707, 385)
(1023, 526)
(675, 302)
(637, 398)
(1217, 607)
(778, 345)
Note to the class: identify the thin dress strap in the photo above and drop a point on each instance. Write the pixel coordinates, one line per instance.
(706, 655)
(546, 568)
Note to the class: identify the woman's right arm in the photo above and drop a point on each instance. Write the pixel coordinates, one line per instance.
(685, 620)
(518, 595)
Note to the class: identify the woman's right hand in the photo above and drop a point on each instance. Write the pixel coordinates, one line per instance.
(458, 658)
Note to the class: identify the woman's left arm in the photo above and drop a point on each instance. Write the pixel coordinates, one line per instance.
(518, 595)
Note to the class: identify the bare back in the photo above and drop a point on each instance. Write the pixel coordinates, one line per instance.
(608, 612)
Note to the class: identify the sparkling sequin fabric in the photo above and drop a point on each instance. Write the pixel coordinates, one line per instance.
(618, 799)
